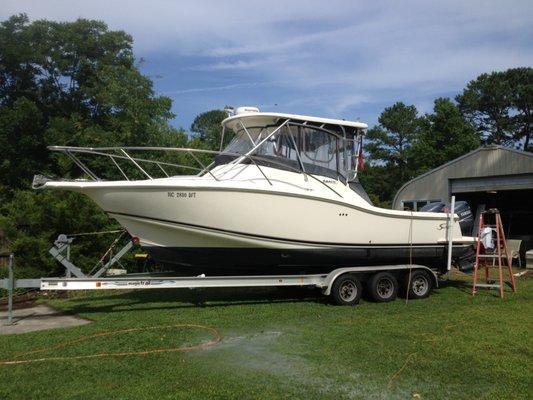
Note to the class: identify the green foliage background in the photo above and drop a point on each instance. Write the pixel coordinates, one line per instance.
(69, 83)
(78, 83)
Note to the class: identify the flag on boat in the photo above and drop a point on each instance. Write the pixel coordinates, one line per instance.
(360, 159)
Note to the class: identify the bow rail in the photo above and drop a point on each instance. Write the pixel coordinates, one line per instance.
(116, 154)
(125, 153)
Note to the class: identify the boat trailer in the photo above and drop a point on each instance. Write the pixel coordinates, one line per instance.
(341, 283)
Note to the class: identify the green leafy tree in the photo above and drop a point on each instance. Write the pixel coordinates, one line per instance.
(70, 83)
(21, 141)
(444, 136)
(405, 145)
(389, 142)
(66, 83)
(499, 106)
(33, 219)
(388, 147)
(377, 181)
(521, 82)
(208, 129)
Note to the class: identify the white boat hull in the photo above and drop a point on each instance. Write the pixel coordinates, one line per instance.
(203, 223)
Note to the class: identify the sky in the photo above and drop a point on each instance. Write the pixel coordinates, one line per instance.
(330, 58)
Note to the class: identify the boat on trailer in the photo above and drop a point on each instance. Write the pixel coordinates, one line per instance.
(282, 197)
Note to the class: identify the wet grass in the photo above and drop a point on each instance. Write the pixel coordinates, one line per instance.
(283, 344)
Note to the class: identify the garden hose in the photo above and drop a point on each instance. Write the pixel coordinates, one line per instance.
(217, 338)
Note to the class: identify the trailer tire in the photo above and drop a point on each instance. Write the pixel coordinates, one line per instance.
(346, 290)
(419, 285)
(383, 287)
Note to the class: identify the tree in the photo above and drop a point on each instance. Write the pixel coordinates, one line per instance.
(521, 82)
(33, 219)
(70, 83)
(66, 83)
(388, 146)
(405, 145)
(207, 126)
(444, 136)
(379, 184)
(499, 105)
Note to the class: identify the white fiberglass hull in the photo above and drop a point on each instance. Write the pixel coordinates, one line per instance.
(245, 221)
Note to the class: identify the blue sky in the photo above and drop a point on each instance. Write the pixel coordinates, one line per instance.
(341, 59)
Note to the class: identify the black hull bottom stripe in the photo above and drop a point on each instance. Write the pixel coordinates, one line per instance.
(260, 260)
(293, 241)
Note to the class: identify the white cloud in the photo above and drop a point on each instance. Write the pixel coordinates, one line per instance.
(222, 65)
(218, 88)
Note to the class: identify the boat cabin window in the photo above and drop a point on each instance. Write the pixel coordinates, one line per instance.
(246, 139)
(318, 147)
(320, 151)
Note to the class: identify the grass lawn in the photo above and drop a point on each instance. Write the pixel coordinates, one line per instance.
(284, 344)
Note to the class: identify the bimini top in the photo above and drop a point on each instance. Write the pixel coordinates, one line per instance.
(256, 118)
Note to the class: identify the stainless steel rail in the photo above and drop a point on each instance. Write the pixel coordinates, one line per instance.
(124, 153)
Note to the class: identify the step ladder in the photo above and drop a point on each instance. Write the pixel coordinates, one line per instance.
(491, 219)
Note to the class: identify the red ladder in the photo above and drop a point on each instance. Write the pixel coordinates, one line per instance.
(489, 260)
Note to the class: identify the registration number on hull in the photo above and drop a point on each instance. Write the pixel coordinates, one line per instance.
(181, 195)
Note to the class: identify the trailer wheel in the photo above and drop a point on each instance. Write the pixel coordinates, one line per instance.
(383, 287)
(420, 284)
(346, 290)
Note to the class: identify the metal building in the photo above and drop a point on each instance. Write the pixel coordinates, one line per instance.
(488, 177)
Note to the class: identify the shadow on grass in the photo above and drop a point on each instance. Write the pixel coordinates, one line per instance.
(204, 298)
(462, 286)
(466, 286)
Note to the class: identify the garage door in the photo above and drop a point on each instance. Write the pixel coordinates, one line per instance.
(505, 182)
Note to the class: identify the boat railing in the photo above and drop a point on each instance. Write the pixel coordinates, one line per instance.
(116, 154)
(126, 153)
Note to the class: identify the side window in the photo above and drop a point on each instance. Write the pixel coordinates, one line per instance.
(278, 145)
(318, 148)
(420, 204)
(408, 205)
(417, 205)
(283, 145)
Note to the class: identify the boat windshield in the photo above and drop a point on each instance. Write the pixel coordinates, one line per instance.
(298, 146)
